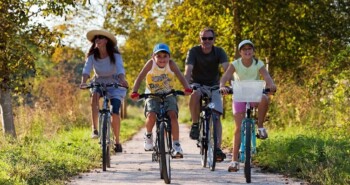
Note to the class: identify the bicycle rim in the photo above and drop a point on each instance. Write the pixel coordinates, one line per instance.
(212, 143)
(164, 153)
(203, 144)
(247, 163)
(104, 142)
(157, 152)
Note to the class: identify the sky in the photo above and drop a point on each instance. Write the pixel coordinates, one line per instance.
(79, 24)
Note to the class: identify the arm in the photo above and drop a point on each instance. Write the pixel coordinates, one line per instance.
(188, 72)
(179, 75)
(226, 77)
(142, 75)
(86, 72)
(120, 70)
(269, 82)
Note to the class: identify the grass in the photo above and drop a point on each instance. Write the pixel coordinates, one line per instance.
(37, 159)
(319, 158)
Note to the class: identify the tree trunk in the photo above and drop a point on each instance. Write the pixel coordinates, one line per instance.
(7, 113)
(237, 26)
(123, 109)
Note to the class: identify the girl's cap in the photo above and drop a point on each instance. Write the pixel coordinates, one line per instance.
(161, 47)
(244, 42)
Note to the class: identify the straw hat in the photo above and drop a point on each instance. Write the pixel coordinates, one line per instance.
(92, 33)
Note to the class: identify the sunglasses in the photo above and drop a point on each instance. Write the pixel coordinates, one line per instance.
(207, 38)
(100, 37)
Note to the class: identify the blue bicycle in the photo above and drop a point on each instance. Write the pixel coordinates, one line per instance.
(248, 91)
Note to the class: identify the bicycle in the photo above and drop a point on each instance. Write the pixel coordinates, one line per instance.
(163, 142)
(248, 91)
(207, 140)
(104, 123)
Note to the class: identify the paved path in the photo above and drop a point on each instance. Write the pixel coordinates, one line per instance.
(134, 166)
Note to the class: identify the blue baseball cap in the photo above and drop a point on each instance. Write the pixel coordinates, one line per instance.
(161, 47)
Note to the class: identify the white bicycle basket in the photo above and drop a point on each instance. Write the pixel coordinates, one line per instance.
(248, 90)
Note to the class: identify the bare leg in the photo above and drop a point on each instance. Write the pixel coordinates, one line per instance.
(94, 110)
(262, 110)
(194, 106)
(116, 127)
(150, 121)
(174, 125)
(237, 135)
(218, 129)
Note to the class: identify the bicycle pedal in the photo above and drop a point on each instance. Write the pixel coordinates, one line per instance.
(177, 157)
(154, 157)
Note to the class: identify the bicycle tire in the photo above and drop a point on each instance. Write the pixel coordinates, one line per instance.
(247, 162)
(156, 154)
(203, 142)
(164, 153)
(212, 142)
(104, 141)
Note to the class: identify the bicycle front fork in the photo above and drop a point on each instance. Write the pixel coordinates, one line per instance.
(243, 138)
(100, 122)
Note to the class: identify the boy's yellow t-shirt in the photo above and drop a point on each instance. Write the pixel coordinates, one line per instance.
(160, 80)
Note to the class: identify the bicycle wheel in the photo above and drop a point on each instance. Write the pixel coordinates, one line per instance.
(156, 152)
(104, 141)
(247, 162)
(203, 142)
(164, 149)
(108, 140)
(212, 142)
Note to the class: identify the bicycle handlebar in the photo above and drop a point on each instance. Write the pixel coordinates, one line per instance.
(162, 95)
(230, 91)
(213, 88)
(95, 84)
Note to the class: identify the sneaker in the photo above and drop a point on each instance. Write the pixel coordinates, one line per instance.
(234, 167)
(262, 134)
(118, 148)
(220, 156)
(177, 151)
(94, 134)
(148, 145)
(194, 133)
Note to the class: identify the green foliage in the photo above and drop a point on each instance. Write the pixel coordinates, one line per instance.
(20, 41)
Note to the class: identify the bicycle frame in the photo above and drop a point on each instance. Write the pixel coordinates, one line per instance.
(248, 118)
(105, 131)
(207, 129)
(104, 123)
(163, 142)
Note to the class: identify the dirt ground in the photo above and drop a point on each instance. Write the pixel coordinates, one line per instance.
(135, 166)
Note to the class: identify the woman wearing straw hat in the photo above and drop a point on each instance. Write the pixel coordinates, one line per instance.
(107, 64)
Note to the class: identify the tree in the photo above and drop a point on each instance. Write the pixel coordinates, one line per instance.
(19, 42)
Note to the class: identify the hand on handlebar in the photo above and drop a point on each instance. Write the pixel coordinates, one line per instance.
(225, 90)
(83, 86)
(134, 96)
(272, 89)
(188, 91)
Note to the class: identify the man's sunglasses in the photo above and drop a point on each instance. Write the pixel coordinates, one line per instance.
(100, 37)
(207, 38)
